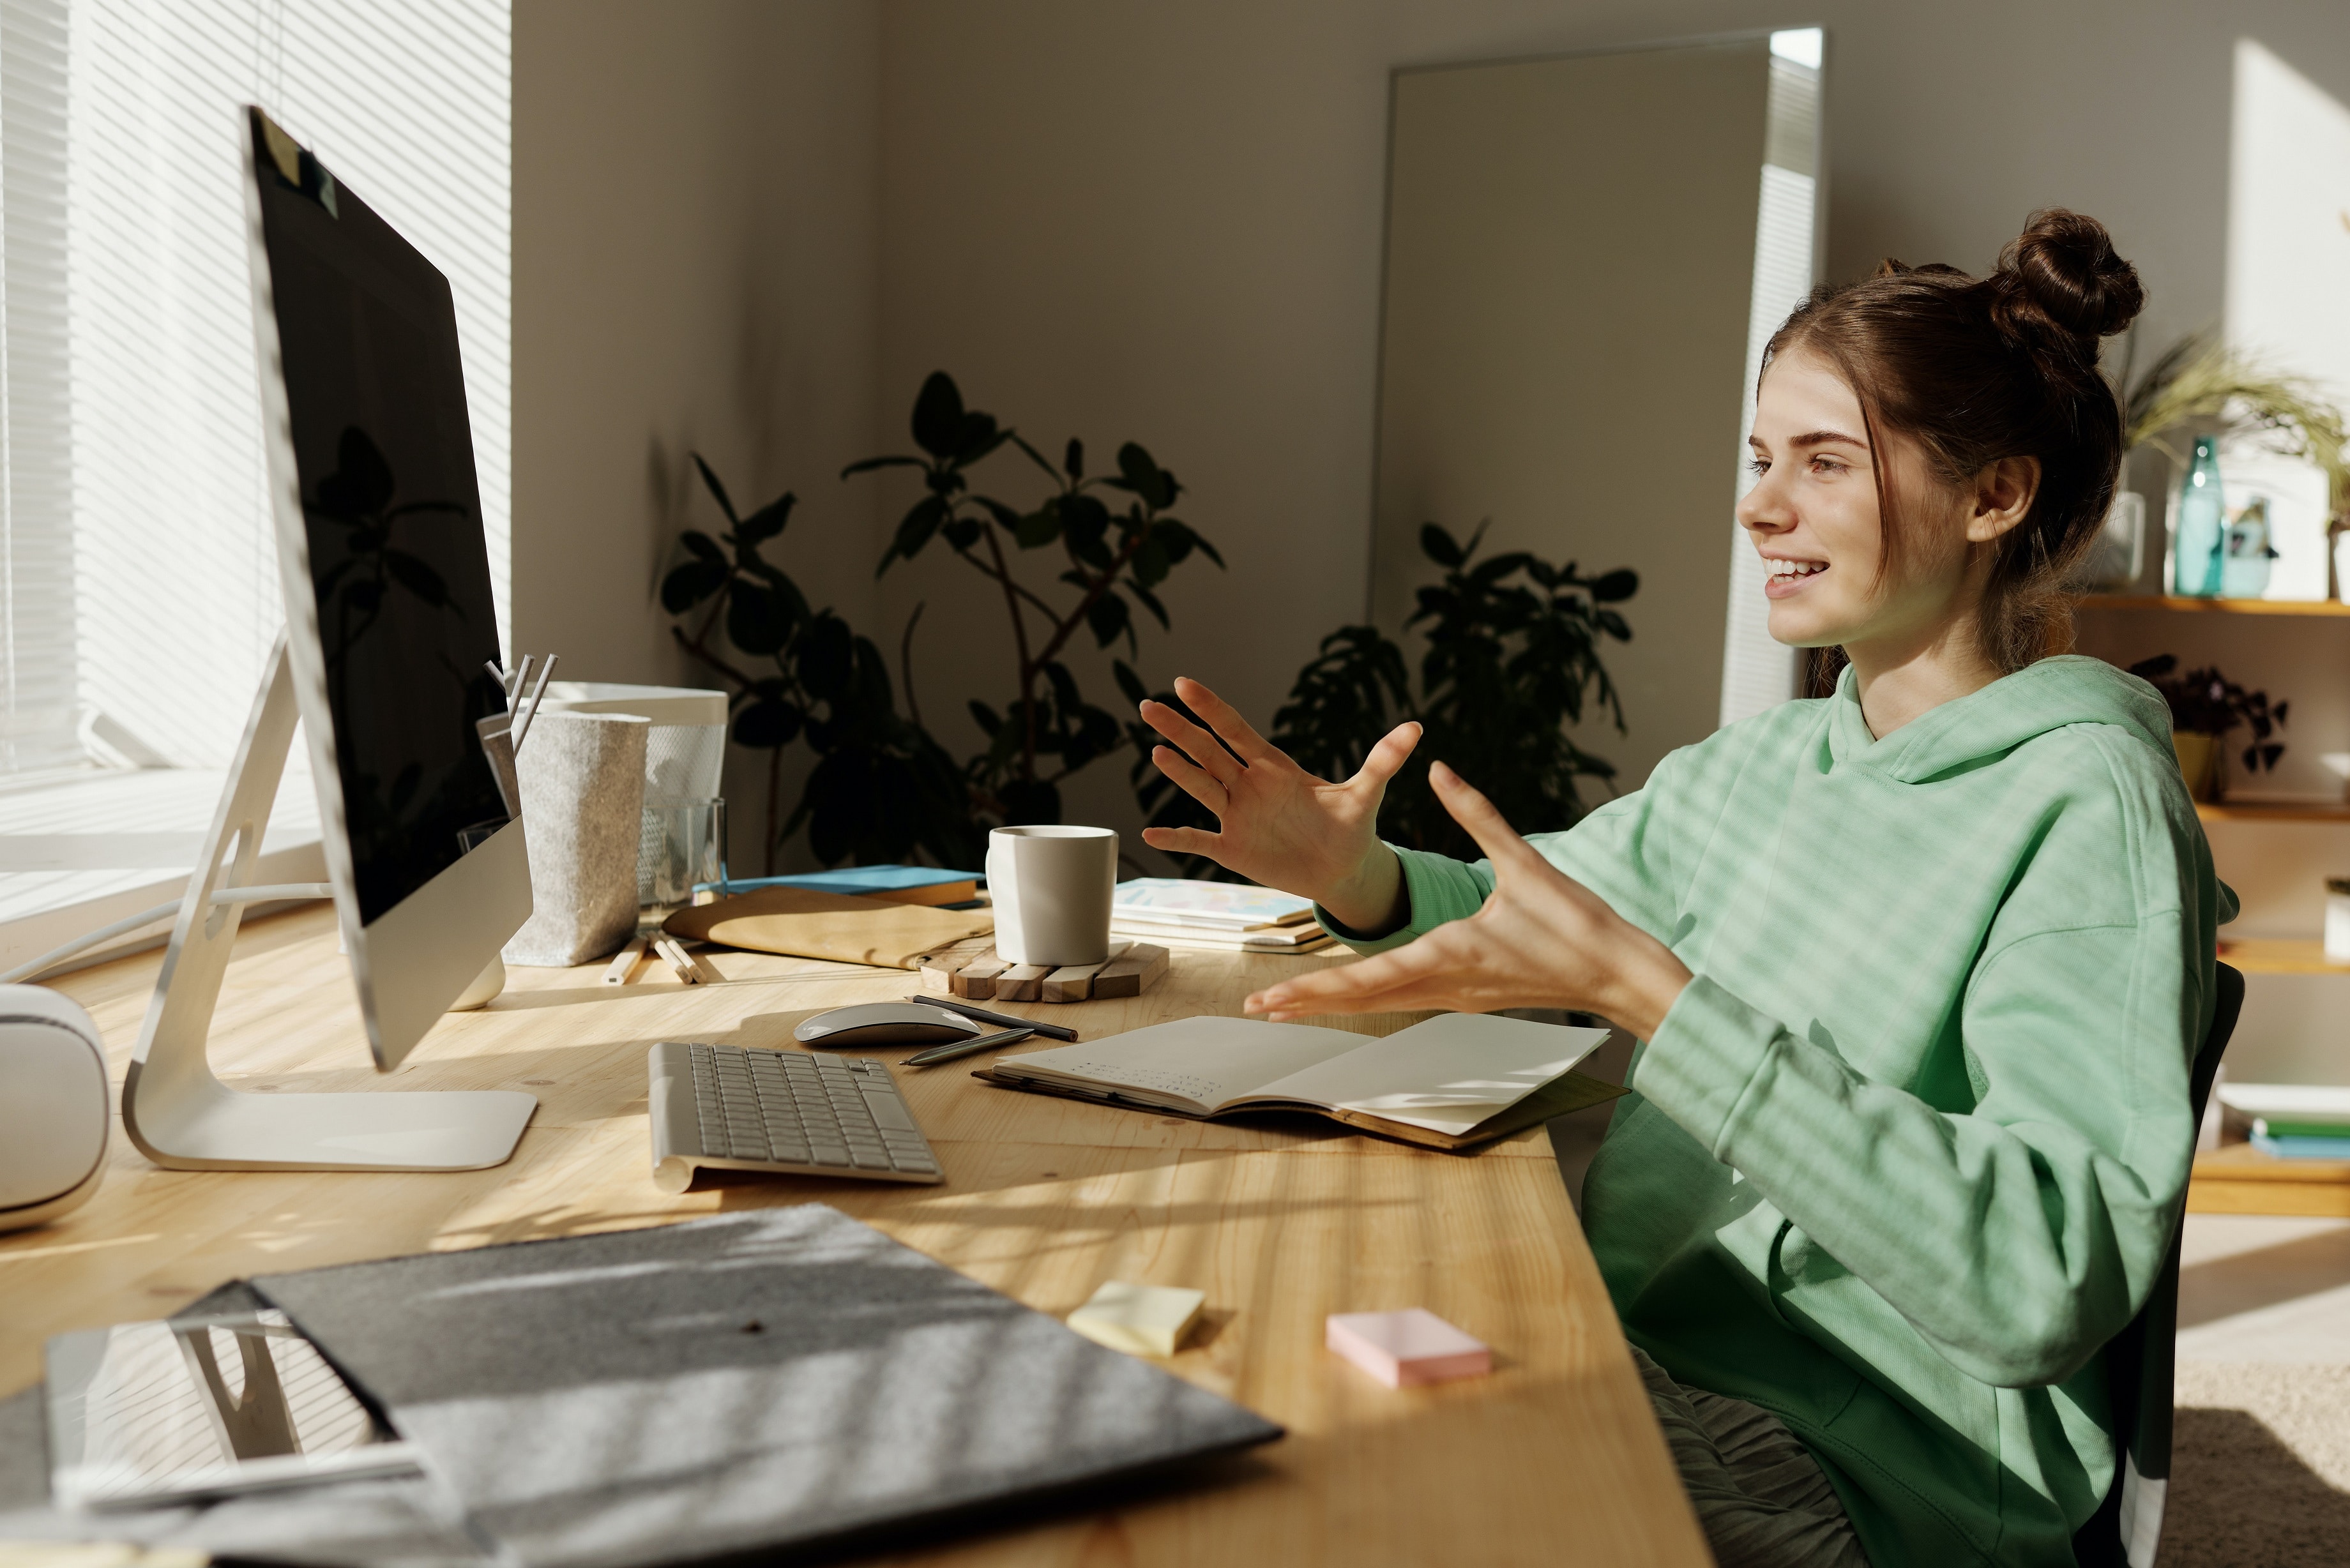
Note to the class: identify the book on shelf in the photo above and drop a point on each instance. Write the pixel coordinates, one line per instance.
(2286, 1147)
(2286, 1126)
(2327, 1103)
(1217, 905)
(1448, 1081)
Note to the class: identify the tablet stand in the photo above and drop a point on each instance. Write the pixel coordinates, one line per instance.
(183, 1118)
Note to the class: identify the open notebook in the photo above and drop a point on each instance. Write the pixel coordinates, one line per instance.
(1453, 1080)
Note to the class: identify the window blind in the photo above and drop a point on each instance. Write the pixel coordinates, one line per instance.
(37, 601)
(137, 557)
(1758, 672)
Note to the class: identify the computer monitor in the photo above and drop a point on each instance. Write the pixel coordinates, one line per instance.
(389, 631)
(387, 582)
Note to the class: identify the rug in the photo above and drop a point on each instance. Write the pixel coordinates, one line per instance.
(2260, 1470)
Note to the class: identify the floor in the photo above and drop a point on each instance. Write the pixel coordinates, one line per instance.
(2260, 1442)
(2256, 1287)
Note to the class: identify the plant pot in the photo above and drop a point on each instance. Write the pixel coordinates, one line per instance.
(2203, 760)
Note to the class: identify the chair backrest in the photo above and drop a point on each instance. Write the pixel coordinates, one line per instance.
(2141, 1363)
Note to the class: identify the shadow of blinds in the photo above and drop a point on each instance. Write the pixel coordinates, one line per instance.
(1757, 672)
(175, 589)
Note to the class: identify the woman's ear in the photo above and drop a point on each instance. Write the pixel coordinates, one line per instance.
(2002, 495)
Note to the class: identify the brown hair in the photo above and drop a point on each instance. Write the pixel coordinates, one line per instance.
(1977, 370)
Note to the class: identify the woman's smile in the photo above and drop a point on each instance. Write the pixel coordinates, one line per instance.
(1789, 578)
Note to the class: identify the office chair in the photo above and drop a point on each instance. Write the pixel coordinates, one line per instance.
(2126, 1526)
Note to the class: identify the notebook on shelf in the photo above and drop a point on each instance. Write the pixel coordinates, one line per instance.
(1451, 1082)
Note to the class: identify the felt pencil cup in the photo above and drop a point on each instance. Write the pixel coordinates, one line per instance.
(582, 796)
(1052, 887)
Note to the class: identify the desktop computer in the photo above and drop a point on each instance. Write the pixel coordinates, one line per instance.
(390, 625)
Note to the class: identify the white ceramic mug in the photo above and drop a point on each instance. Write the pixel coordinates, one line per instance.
(1052, 888)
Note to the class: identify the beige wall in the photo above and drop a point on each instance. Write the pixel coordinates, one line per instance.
(1164, 221)
(695, 215)
(739, 224)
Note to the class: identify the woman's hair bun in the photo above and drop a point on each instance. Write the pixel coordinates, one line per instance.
(2061, 273)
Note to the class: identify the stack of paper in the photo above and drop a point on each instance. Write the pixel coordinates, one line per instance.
(1215, 915)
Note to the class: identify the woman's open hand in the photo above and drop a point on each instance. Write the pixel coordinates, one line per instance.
(1542, 940)
(1279, 826)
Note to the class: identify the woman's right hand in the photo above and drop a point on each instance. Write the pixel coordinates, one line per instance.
(1279, 826)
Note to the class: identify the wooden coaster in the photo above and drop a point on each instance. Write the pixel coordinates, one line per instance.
(973, 970)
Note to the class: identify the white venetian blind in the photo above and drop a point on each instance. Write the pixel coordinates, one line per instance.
(1758, 672)
(138, 562)
(36, 556)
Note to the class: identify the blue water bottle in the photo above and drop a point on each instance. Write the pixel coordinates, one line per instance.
(2197, 550)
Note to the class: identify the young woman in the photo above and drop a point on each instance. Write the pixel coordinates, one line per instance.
(1920, 968)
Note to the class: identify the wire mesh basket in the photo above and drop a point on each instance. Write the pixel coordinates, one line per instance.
(684, 832)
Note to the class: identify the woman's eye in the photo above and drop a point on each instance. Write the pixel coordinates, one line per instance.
(1757, 466)
(1827, 465)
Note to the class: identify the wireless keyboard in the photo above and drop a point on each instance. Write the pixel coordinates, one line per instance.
(801, 1113)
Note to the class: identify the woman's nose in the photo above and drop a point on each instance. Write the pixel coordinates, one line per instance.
(1763, 510)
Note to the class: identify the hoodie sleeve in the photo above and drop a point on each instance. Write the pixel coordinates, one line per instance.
(2020, 1235)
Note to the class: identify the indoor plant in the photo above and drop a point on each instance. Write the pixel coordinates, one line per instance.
(881, 789)
(2205, 706)
(1119, 542)
(1512, 660)
(2202, 386)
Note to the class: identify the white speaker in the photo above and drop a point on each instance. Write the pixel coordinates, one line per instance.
(54, 1107)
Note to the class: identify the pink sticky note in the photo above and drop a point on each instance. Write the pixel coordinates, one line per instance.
(1404, 1348)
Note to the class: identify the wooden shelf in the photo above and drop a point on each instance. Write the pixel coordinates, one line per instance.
(2240, 1179)
(2272, 811)
(2214, 606)
(2264, 955)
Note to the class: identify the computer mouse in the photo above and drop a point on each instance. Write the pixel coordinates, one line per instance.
(887, 1024)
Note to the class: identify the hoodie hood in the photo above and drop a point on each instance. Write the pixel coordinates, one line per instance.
(1986, 724)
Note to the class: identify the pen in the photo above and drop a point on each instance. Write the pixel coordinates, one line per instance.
(1049, 1031)
(955, 1048)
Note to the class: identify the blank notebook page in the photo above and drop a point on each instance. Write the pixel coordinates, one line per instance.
(1447, 1074)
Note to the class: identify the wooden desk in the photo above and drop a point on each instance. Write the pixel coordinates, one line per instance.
(1554, 1457)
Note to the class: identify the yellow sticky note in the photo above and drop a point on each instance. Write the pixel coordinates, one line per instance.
(1142, 1320)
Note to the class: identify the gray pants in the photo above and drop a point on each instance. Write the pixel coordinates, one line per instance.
(1761, 1498)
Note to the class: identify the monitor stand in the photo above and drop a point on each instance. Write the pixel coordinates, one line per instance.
(184, 1118)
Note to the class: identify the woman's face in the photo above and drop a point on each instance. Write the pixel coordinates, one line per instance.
(1812, 515)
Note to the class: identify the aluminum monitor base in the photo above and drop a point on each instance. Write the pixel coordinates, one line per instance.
(183, 1118)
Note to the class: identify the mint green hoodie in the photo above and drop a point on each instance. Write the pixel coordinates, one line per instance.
(1909, 1150)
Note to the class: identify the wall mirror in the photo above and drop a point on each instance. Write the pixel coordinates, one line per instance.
(1585, 256)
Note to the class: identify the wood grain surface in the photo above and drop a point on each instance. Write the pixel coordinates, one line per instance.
(1552, 1459)
(2241, 1180)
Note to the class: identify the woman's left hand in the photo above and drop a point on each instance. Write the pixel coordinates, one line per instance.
(1542, 940)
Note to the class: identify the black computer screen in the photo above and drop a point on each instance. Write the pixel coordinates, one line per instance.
(367, 336)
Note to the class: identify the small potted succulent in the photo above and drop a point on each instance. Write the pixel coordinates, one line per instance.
(2205, 706)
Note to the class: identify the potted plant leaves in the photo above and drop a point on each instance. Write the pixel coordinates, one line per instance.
(1509, 662)
(2205, 707)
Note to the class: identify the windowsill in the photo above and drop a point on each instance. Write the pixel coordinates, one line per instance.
(81, 850)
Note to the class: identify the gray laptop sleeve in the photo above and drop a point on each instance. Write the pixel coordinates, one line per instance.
(775, 1378)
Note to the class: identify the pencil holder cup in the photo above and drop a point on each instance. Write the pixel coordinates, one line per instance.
(583, 793)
